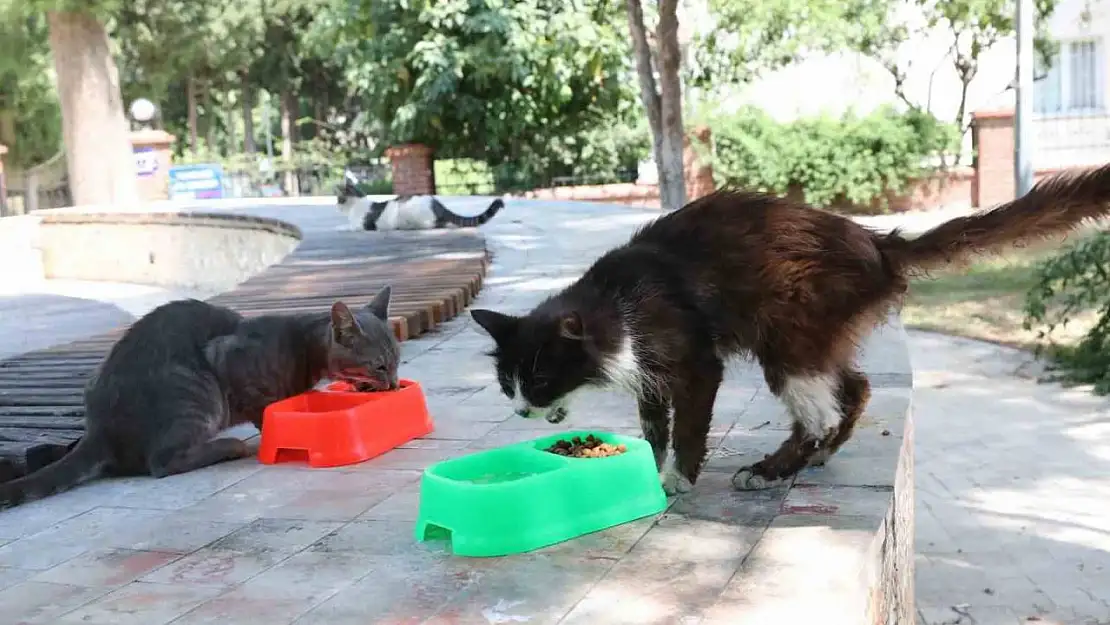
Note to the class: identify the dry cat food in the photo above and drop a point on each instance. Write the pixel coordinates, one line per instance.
(590, 447)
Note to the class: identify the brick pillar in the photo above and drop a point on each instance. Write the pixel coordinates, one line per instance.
(412, 169)
(3, 183)
(697, 169)
(993, 140)
(153, 151)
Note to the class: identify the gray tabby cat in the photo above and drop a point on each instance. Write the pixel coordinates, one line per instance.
(405, 212)
(188, 370)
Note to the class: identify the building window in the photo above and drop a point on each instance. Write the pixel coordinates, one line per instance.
(1075, 83)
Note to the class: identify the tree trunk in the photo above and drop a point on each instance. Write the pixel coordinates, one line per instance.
(663, 106)
(672, 183)
(288, 103)
(98, 147)
(211, 119)
(191, 107)
(648, 95)
(248, 115)
(7, 126)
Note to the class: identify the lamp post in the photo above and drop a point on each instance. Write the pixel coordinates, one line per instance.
(1023, 114)
(142, 111)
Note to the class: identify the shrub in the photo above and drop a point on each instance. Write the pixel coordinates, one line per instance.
(1076, 280)
(850, 162)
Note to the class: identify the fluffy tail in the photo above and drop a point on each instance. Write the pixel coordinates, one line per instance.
(1053, 206)
(446, 216)
(84, 462)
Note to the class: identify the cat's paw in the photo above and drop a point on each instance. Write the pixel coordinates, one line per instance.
(749, 478)
(674, 483)
(819, 458)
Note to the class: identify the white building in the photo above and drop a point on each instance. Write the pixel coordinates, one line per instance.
(1073, 126)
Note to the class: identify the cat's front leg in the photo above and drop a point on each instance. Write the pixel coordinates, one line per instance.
(693, 400)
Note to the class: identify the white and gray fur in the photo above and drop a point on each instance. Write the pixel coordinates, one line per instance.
(414, 212)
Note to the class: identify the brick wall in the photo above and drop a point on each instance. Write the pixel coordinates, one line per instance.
(413, 173)
(993, 140)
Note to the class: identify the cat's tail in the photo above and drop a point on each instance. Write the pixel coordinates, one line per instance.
(443, 214)
(87, 460)
(1053, 206)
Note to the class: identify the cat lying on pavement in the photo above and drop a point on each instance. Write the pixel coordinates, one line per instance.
(405, 212)
(188, 370)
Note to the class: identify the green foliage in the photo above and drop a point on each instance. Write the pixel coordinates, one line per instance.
(756, 36)
(1075, 281)
(849, 163)
(28, 103)
(525, 82)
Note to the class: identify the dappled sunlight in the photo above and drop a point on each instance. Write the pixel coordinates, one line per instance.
(1013, 480)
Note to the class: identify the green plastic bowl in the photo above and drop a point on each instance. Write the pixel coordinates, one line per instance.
(518, 498)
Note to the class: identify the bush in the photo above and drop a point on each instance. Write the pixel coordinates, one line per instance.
(1077, 280)
(851, 162)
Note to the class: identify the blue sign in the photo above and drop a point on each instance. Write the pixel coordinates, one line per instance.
(196, 182)
(146, 161)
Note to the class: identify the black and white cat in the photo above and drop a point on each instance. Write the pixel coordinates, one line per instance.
(405, 212)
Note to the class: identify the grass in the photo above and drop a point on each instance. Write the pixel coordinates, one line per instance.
(985, 299)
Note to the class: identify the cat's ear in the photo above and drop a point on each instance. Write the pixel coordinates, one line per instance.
(379, 306)
(499, 325)
(343, 322)
(571, 326)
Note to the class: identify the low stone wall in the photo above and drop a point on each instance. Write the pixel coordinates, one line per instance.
(196, 251)
(950, 188)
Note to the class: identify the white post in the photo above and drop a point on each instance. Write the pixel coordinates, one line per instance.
(1023, 115)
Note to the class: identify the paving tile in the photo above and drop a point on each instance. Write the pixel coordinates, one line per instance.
(714, 499)
(381, 538)
(168, 493)
(612, 543)
(672, 574)
(243, 554)
(172, 532)
(413, 459)
(140, 603)
(216, 568)
(74, 536)
(452, 429)
(434, 443)
(106, 567)
(285, 592)
(41, 603)
(32, 518)
(403, 505)
(403, 589)
(10, 576)
(303, 493)
(534, 589)
(838, 500)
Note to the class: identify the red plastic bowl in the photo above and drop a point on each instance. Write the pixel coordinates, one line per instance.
(334, 428)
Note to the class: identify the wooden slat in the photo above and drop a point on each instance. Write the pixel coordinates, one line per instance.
(434, 278)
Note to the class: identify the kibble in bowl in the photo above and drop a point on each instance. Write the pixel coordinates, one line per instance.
(589, 447)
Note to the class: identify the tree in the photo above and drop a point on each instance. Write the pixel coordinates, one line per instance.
(98, 150)
(505, 82)
(30, 124)
(663, 104)
(743, 39)
(973, 26)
